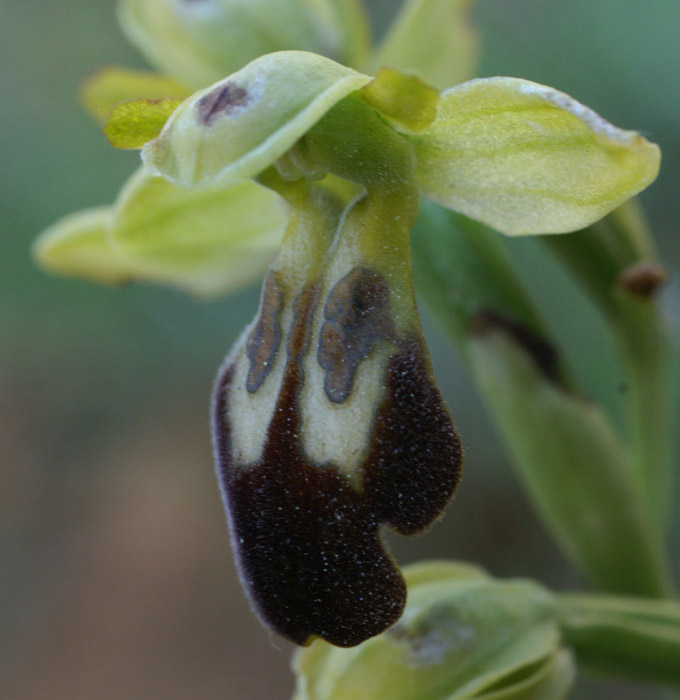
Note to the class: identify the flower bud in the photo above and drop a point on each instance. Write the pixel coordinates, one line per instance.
(201, 41)
(463, 635)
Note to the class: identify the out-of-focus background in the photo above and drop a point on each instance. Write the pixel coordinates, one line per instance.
(117, 580)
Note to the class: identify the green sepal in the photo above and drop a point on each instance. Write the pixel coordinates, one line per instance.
(234, 129)
(130, 124)
(434, 38)
(203, 242)
(109, 86)
(578, 473)
(79, 245)
(463, 635)
(525, 158)
(199, 43)
(208, 242)
(628, 637)
(404, 98)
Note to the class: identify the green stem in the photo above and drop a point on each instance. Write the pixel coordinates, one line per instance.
(634, 638)
(614, 260)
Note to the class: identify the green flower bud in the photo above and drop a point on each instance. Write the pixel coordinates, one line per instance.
(462, 635)
(201, 41)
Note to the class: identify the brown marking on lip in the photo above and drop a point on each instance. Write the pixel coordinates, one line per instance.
(265, 337)
(357, 314)
(543, 353)
(307, 543)
(222, 100)
(643, 278)
(415, 459)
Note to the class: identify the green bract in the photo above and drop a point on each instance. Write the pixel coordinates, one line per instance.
(462, 635)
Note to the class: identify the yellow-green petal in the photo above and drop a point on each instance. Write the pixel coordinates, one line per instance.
(404, 98)
(234, 129)
(207, 242)
(525, 158)
(433, 37)
(111, 85)
(200, 42)
(79, 245)
(132, 123)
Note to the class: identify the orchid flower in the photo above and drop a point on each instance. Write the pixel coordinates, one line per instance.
(327, 420)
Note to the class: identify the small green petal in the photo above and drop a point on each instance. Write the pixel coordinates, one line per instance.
(207, 242)
(236, 128)
(526, 159)
(199, 43)
(132, 123)
(433, 37)
(79, 245)
(109, 86)
(404, 99)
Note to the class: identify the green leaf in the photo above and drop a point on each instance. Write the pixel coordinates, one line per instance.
(199, 43)
(463, 635)
(615, 262)
(236, 128)
(629, 637)
(433, 37)
(578, 473)
(79, 245)
(525, 158)
(403, 98)
(549, 680)
(208, 242)
(109, 86)
(132, 123)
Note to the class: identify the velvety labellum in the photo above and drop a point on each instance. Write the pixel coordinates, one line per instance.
(307, 541)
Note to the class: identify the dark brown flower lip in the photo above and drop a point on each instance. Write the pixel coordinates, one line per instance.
(307, 542)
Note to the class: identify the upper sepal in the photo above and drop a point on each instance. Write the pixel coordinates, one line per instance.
(234, 129)
(525, 158)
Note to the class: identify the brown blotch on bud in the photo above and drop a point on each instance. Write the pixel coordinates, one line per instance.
(357, 314)
(541, 351)
(224, 99)
(265, 337)
(642, 279)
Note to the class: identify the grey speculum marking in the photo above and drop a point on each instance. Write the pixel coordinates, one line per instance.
(264, 339)
(223, 100)
(357, 315)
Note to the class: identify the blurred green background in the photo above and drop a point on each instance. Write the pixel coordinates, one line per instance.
(117, 579)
